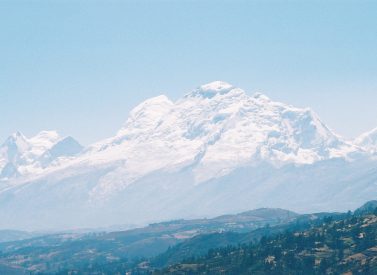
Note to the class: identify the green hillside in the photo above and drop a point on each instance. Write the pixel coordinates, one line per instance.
(336, 246)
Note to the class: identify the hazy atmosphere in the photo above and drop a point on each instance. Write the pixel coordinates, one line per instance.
(188, 137)
(79, 68)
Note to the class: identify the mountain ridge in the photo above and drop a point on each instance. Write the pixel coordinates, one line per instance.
(189, 158)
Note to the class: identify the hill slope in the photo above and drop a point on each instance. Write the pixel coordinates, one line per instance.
(79, 251)
(345, 246)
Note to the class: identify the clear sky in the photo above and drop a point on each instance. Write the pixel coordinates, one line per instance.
(80, 66)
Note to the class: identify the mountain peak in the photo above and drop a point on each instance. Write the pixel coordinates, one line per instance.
(16, 139)
(261, 96)
(44, 140)
(368, 140)
(217, 86)
(151, 107)
(66, 147)
(51, 134)
(17, 136)
(212, 89)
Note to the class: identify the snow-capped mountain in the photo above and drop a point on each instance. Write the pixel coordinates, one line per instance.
(216, 150)
(368, 141)
(23, 156)
(215, 129)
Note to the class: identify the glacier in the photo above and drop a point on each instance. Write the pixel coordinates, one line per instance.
(217, 150)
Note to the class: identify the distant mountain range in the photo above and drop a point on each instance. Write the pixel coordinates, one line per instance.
(216, 150)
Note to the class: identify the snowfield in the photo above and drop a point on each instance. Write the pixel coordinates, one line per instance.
(217, 150)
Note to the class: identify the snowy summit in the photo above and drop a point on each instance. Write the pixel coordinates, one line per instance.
(185, 158)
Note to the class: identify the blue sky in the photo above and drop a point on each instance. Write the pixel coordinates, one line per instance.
(80, 66)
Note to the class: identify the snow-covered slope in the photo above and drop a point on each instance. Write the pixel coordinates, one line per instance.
(216, 150)
(368, 141)
(24, 156)
(215, 129)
